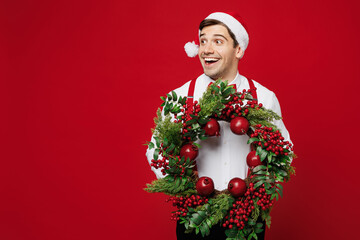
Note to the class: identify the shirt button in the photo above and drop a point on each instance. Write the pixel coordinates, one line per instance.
(225, 163)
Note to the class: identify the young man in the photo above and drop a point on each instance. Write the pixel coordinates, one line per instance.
(223, 41)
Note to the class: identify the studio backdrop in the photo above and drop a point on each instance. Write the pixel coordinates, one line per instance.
(80, 85)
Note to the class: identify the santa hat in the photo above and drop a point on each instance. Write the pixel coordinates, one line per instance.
(231, 20)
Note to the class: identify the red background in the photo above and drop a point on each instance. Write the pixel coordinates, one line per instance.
(80, 85)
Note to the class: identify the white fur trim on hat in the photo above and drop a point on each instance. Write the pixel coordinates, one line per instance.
(191, 49)
(234, 25)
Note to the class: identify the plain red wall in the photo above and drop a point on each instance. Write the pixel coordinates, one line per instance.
(80, 84)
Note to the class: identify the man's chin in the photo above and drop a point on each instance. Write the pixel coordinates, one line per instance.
(213, 76)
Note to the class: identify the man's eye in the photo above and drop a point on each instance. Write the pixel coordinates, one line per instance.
(218, 42)
(202, 41)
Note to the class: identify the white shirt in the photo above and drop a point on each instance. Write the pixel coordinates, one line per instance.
(223, 158)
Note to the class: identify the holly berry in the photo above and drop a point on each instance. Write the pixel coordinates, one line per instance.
(205, 186)
(212, 128)
(182, 204)
(237, 187)
(189, 151)
(239, 125)
(253, 160)
(274, 141)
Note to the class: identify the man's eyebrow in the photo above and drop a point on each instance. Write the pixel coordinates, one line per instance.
(220, 35)
(216, 35)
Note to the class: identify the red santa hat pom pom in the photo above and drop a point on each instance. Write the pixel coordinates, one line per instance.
(191, 49)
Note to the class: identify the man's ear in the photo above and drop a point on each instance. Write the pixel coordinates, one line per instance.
(239, 52)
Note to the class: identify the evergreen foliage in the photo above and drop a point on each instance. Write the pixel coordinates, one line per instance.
(168, 187)
(262, 116)
(167, 129)
(212, 100)
(265, 215)
(204, 217)
(256, 212)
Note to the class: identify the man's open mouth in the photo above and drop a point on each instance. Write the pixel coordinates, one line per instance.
(209, 61)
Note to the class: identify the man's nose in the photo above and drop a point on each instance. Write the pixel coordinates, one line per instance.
(208, 48)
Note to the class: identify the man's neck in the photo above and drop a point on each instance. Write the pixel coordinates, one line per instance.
(229, 78)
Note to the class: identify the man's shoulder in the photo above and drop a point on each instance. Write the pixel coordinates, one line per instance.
(182, 90)
(262, 89)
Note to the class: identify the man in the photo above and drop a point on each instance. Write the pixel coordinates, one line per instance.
(222, 43)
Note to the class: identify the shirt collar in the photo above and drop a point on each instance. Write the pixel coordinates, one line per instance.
(237, 80)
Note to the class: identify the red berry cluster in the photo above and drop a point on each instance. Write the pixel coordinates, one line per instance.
(192, 109)
(164, 164)
(182, 204)
(160, 163)
(264, 199)
(243, 207)
(235, 107)
(272, 140)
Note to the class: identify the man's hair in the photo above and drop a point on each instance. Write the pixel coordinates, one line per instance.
(211, 22)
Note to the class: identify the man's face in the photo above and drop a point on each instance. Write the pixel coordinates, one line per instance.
(217, 54)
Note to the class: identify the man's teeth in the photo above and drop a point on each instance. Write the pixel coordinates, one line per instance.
(211, 59)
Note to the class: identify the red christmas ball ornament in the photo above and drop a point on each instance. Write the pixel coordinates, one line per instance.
(253, 160)
(239, 125)
(189, 151)
(237, 187)
(212, 128)
(205, 186)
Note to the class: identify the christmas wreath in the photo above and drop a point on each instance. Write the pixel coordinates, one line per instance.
(199, 206)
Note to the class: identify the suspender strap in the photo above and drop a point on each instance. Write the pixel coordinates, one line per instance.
(190, 97)
(253, 89)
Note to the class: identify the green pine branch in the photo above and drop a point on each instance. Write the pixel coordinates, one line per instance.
(167, 129)
(211, 101)
(184, 188)
(256, 212)
(265, 215)
(262, 116)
